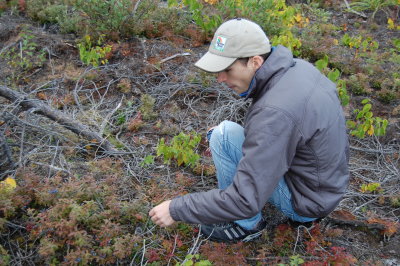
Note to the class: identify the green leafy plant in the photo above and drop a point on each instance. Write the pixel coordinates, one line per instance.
(333, 75)
(194, 259)
(207, 23)
(181, 149)
(371, 188)
(275, 17)
(149, 159)
(295, 260)
(365, 123)
(360, 43)
(93, 55)
(26, 54)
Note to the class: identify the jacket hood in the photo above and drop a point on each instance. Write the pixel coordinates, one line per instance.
(280, 60)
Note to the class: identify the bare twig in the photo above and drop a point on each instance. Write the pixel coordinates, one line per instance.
(173, 56)
(54, 115)
(353, 11)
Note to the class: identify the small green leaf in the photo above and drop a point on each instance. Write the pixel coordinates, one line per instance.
(365, 101)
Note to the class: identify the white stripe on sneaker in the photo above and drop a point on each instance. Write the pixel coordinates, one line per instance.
(240, 231)
(227, 233)
(234, 232)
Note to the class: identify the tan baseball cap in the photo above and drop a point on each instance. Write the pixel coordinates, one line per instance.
(236, 38)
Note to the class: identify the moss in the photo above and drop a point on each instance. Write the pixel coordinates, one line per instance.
(358, 84)
(386, 96)
(147, 107)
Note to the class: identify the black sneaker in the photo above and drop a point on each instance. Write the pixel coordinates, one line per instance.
(231, 232)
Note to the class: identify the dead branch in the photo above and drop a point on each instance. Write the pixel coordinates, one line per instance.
(5, 151)
(39, 107)
(360, 224)
(353, 11)
(173, 56)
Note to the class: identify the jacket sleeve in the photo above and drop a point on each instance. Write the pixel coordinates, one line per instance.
(269, 146)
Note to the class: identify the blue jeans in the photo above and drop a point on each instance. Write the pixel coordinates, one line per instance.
(226, 142)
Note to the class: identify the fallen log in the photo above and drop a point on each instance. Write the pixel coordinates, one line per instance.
(43, 109)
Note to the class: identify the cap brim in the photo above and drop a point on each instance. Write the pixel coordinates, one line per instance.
(214, 63)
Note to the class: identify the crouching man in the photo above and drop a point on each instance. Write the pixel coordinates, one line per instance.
(291, 152)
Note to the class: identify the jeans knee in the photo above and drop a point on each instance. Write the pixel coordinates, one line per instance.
(226, 130)
(217, 134)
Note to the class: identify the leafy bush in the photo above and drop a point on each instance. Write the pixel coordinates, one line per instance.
(207, 23)
(25, 55)
(360, 43)
(371, 188)
(365, 123)
(94, 17)
(181, 149)
(275, 17)
(333, 75)
(93, 55)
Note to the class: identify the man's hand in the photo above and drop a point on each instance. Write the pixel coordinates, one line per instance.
(160, 214)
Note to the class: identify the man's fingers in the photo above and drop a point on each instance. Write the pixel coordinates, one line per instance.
(151, 213)
(160, 214)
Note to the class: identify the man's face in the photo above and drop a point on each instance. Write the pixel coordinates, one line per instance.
(238, 76)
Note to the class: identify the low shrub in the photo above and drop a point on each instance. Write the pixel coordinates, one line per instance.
(73, 220)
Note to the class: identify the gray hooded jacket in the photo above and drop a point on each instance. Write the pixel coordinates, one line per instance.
(294, 128)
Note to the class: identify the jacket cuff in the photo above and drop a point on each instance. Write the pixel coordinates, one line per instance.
(173, 206)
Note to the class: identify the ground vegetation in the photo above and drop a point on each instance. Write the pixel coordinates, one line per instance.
(103, 116)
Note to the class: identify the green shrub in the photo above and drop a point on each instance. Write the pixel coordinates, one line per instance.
(365, 123)
(360, 43)
(386, 96)
(208, 23)
(93, 55)
(333, 75)
(26, 54)
(94, 17)
(181, 149)
(275, 17)
(358, 84)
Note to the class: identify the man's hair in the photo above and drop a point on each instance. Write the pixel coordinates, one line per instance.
(244, 60)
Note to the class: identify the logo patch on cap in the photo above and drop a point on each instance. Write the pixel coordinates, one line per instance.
(220, 43)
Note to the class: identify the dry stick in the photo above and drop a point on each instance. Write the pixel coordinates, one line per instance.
(56, 116)
(173, 250)
(52, 161)
(7, 150)
(52, 167)
(353, 11)
(144, 251)
(371, 150)
(173, 56)
(108, 117)
(355, 223)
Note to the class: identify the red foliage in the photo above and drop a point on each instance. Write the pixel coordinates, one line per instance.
(226, 254)
(21, 5)
(152, 255)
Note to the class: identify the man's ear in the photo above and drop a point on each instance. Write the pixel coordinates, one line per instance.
(256, 62)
